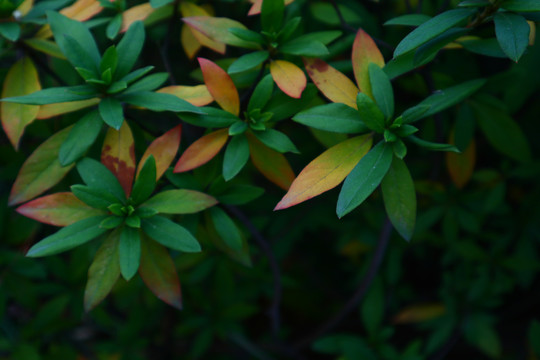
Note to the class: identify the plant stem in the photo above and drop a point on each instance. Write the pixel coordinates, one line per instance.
(361, 291)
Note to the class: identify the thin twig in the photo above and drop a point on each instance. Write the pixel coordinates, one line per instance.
(274, 310)
(164, 50)
(358, 296)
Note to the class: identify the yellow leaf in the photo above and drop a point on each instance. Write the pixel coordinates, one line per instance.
(333, 84)
(365, 52)
(326, 171)
(51, 110)
(532, 32)
(202, 151)
(221, 86)
(21, 79)
(197, 95)
(118, 155)
(25, 7)
(81, 10)
(189, 42)
(136, 13)
(192, 39)
(288, 77)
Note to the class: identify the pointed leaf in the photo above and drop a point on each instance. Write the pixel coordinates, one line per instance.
(365, 52)
(68, 237)
(50, 96)
(382, 90)
(338, 118)
(197, 95)
(97, 176)
(283, 106)
(512, 33)
(170, 234)
(93, 197)
(288, 77)
(21, 79)
(333, 84)
(159, 102)
(248, 61)
(129, 47)
(132, 16)
(158, 273)
(221, 86)
(60, 209)
(272, 15)
(103, 273)
(81, 137)
(400, 198)
(146, 181)
(217, 28)
(202, 151)
(236, 156)
(118, 155)
(213, 118)
(180, 202)
(364, 178)
(262, 93)
(273, 165)
(163, 149)
(369, 113)
(111, 112)
(276, 140)
(52, 110)
(41, 171)
(226, 228)
(129, 252)
(190, 43)
(326, 171)
(431, 28)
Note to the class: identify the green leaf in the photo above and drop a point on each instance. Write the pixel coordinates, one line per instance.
(148, 83)
(429, 50)
(442, 100)
(262, 93)
(137, 74)
(326, 13)
(41, 171)
(284, 106)
(248, 61)
(68, 237)
(276, 140)
(336, 117)
(62, 25)
(369, 112)
(159, 3)
(247, 35)
(521, 5)
(83, 134)
(303, 47)
(95, 198)
(109, 60)
(226, 228)
(431, 29)
(364, 178)
(502, 132)
(236, 156)
(146, 181)
(239, 194)
(180, 202)
(97, 176)
(111, 112)
(373, 308)
(237, 128)
(512, 33)
(51, 96)
(432, 146)
(288, 29)
(213, 118)
(112, 222)
(159, 102)
(129, 48)
(408, 20)
(534, 335)
(129, 252)
(114, 27)
(117, 87)
(78, 56)
(486, 47)
(480, 332)
(170, 234)
(10, 30)
(400, 198)
(272, 15)
(103, 273)
(382, 90)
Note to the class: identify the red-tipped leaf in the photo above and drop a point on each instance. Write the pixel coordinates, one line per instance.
(288, 77)
(221, 86)
(365, 51)
(164, 149)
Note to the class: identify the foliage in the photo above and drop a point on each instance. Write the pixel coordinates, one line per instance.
(423, 111)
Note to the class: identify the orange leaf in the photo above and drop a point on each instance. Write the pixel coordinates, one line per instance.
(164, 149)
(365, 52)
(257, 4)
(217, 29)
(202, 151)
(333, 84)
(51, 110)
(288, 77)
(158, 272)
(221, 86)
(196, 95)
(461, 165)
(81, 10)
(136, 13)
(272, 164)
(326, 171)
(118, 155)
(419, 313)
(60, 209)
(192, 39)
(21, 79)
